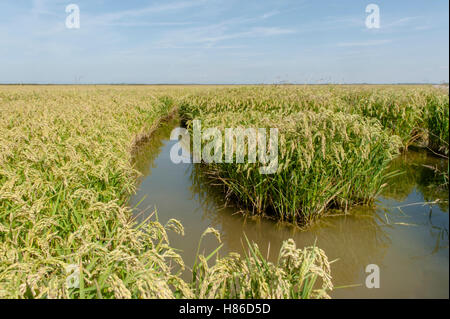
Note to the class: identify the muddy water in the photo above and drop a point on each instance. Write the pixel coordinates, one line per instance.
(405, 235)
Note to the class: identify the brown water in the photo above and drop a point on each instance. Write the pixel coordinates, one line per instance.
(405, 235)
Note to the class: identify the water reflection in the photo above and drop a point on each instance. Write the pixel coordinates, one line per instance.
(144, 155)
(416, 169)
(409, 241)
(356, 239)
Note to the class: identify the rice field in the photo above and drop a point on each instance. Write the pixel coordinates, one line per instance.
(336, 142)
(67, 172)
(66, 175)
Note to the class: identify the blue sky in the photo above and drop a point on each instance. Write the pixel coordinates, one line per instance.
(224, 41)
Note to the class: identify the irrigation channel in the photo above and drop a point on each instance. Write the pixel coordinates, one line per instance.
(405, 235)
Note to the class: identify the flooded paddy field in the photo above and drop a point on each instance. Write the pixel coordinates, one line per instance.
(68, 191)
(405, 233)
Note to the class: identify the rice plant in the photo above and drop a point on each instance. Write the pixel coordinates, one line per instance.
(336, 141)
(326, 160)
(66, 175)
(298, 274)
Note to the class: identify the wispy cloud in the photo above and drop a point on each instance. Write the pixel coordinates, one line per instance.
(224, 40)
(363, 43)
(423, 27)
(41, 7)
(147, 24)
(116, 18)
(399, 22)
(270, 14)
(253, 32)
(208, 36)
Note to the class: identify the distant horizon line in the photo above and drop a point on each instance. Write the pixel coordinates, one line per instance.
(329, 83)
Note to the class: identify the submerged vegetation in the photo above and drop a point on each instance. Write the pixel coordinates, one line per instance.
(66, 175)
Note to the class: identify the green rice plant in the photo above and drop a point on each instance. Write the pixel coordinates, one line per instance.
(409, 112)
(338, 173)
(325, 160)
(66, 174)
(298, 274)
(65, 177)
(413, 113)
(438, 123)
